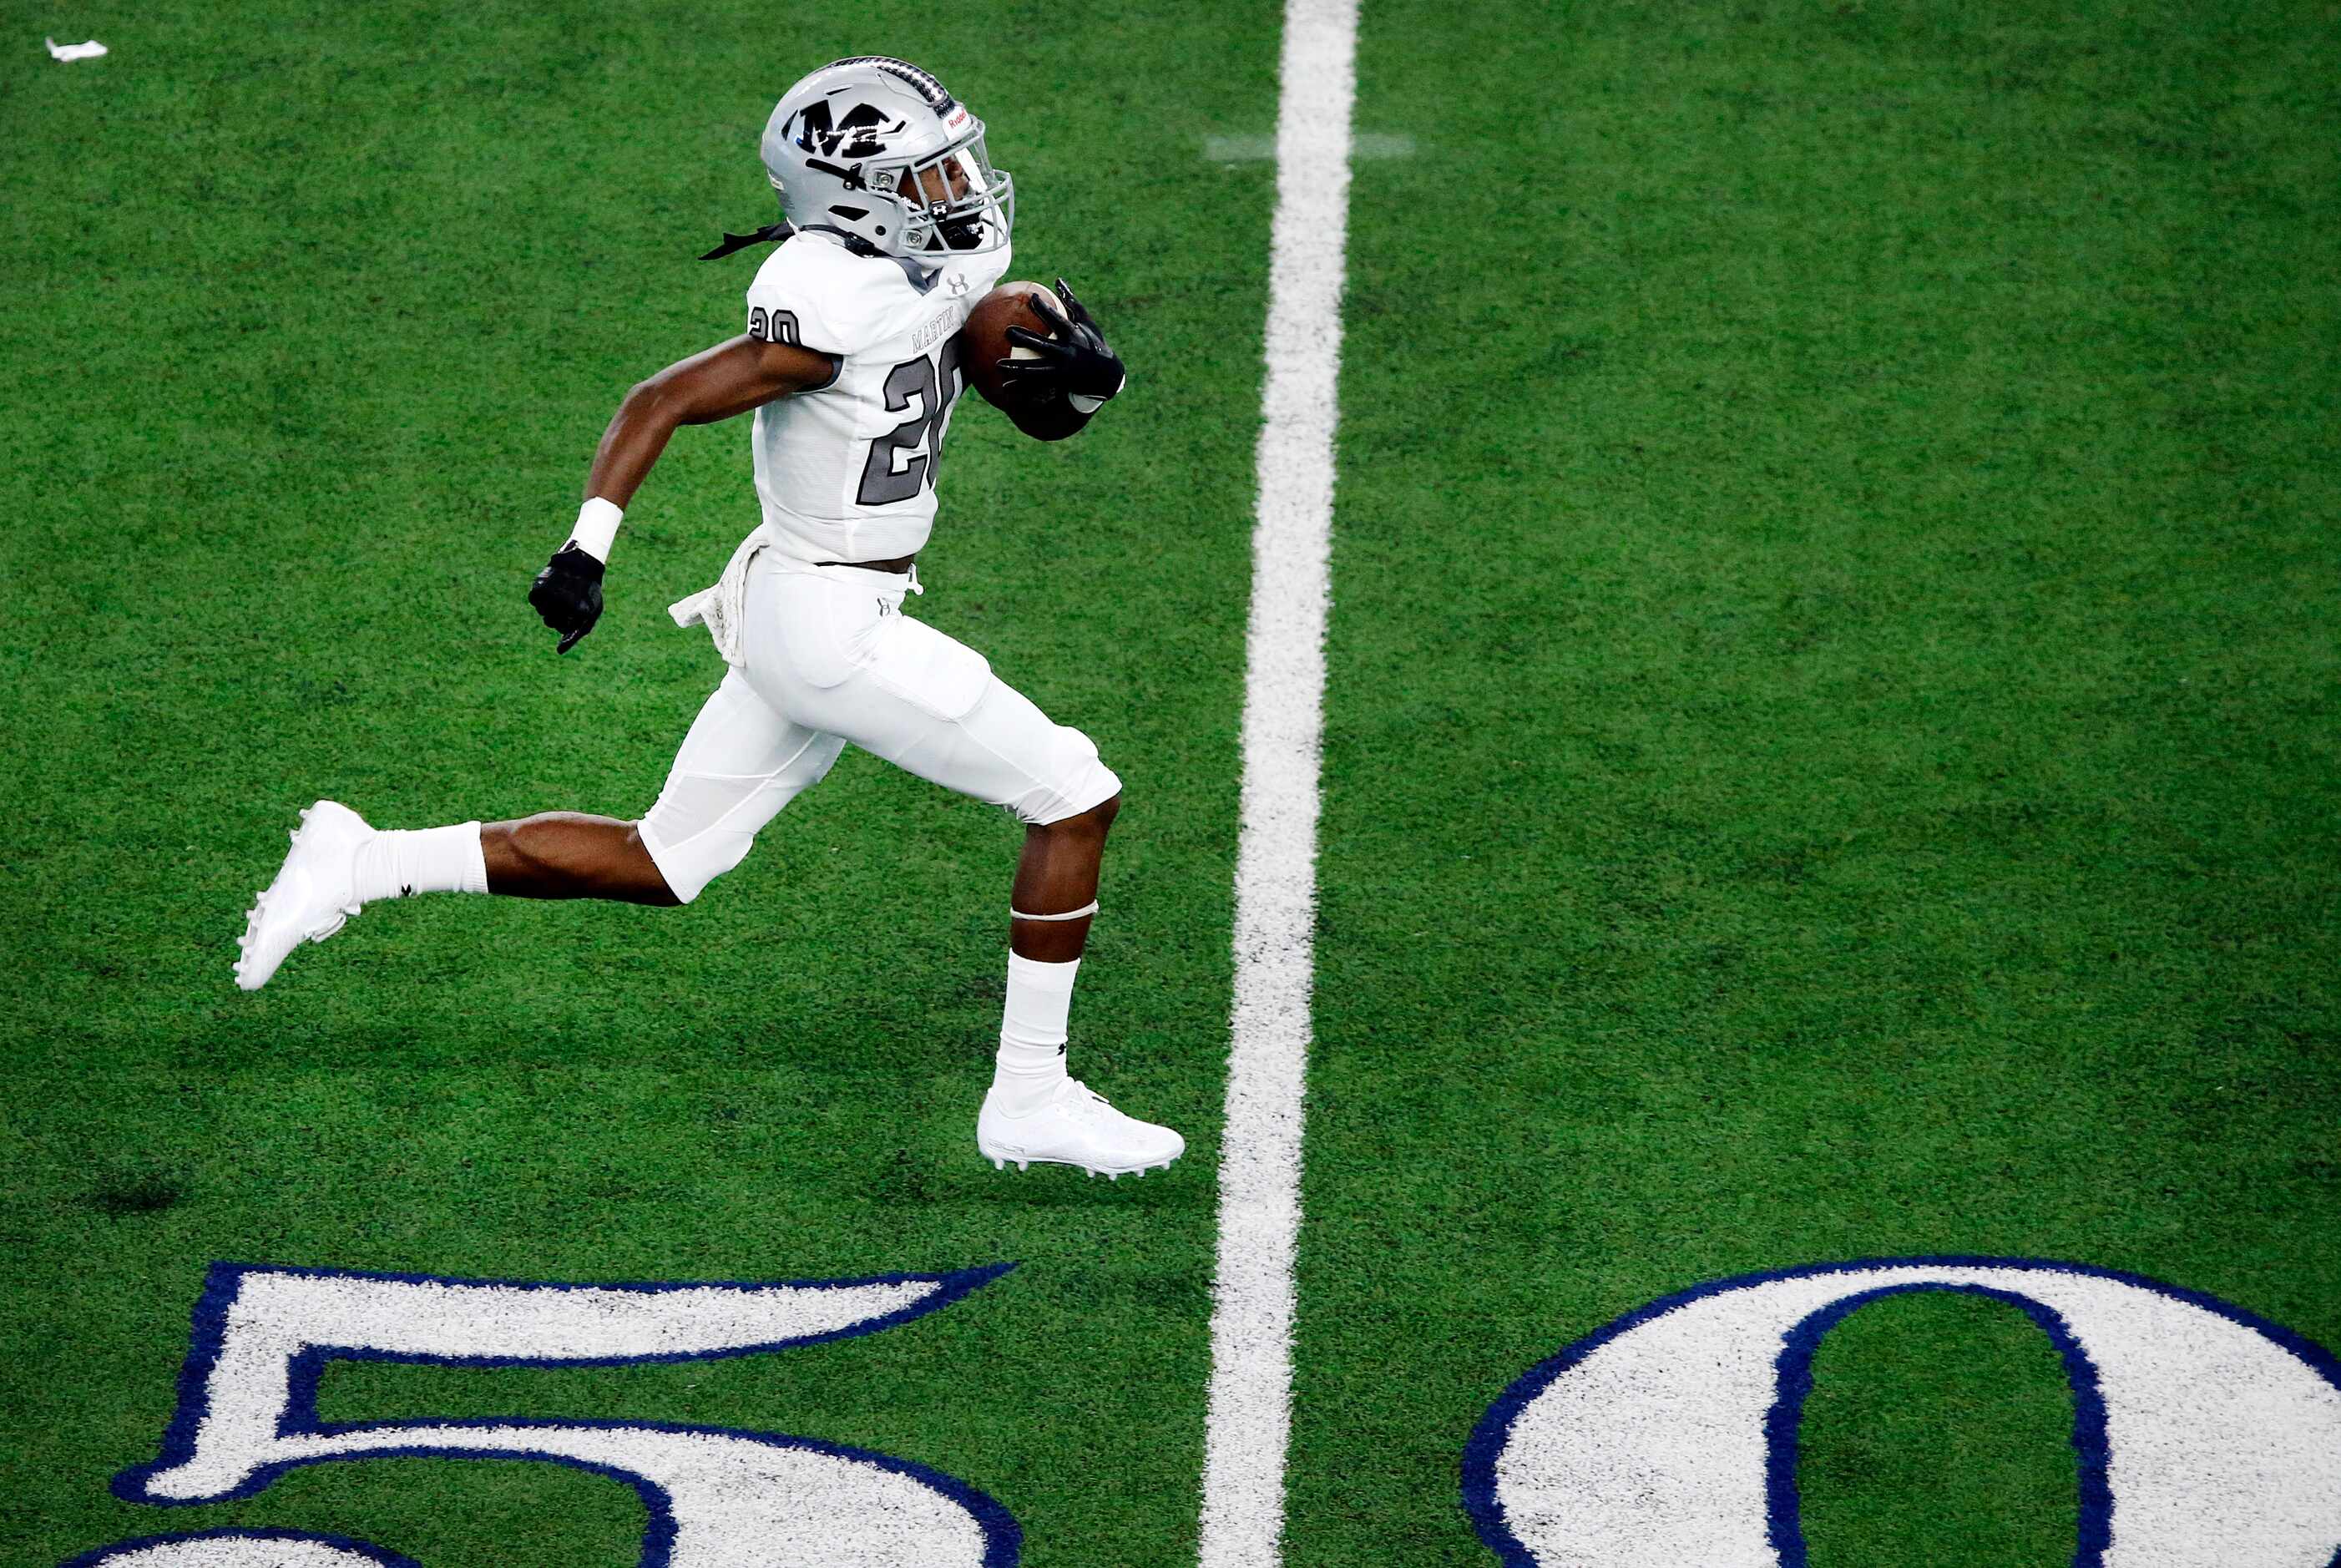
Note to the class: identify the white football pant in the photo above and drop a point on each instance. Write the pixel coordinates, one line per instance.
(827, 658)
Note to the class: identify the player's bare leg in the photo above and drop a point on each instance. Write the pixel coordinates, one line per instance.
(1035, 1111)
(1058, 873)
(569, 854)
(338, 863)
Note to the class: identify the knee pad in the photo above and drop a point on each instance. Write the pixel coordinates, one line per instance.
(704, 824)
(1077, 780)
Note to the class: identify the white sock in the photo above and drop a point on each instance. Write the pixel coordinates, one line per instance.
(428, 860)
(1032, 1059)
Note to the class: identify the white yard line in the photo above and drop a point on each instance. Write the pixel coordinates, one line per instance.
(1250, 1410)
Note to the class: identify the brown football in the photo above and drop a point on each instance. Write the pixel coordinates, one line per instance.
(984, 339)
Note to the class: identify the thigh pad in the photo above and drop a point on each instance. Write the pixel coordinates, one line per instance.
(934, 673)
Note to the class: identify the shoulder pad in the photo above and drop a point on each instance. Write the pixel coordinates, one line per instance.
(817, 294)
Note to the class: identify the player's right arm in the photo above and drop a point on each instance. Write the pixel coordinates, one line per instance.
(727, 380)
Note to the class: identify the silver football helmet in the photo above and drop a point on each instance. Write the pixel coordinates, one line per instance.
(874, 148)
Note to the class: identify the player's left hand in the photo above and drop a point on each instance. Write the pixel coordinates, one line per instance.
(1074, 358)
(567, 594)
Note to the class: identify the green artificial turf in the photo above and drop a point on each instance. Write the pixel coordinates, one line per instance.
(1830, 734)
(325, 313)
(1938, 1432)
(1831, 723)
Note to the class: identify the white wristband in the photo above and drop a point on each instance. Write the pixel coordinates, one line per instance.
(597, 528)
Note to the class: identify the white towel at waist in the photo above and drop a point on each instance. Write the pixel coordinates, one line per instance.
(724, 605)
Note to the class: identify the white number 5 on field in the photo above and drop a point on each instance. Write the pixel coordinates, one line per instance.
(717, 1498)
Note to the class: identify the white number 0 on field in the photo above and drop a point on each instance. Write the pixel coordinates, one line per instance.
(2204, 1437)
(717, 1498)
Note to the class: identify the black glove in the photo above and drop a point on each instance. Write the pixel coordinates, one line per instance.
(1074, 359)
(567, 594)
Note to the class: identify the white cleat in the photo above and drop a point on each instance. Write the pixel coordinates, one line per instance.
(1075, 1127)
(313, 896)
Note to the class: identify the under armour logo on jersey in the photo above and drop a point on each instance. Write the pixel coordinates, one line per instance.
(955, 283)
(857, 135)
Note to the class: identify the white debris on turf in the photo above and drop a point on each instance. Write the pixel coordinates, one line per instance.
(89, 51)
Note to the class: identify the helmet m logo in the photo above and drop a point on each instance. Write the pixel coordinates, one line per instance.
(855, 134)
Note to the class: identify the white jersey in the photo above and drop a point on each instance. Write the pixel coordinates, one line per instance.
(847, 473)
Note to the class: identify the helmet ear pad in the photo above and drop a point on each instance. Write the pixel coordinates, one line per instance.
(877, 197)
(888, 192)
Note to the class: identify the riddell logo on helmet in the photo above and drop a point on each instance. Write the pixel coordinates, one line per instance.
(957, 118)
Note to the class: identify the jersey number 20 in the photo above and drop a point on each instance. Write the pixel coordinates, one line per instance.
(906, 457)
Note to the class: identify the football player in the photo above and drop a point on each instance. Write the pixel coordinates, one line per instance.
(896, 223)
